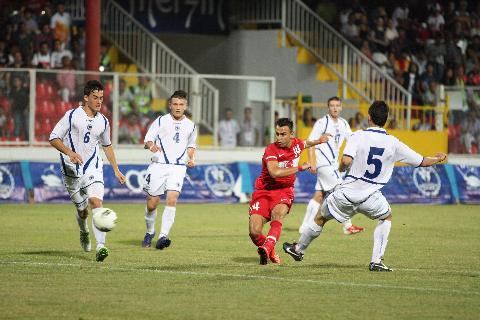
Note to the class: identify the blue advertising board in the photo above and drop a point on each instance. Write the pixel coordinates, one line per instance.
(468, 183)
(12, 187)
(233, 182)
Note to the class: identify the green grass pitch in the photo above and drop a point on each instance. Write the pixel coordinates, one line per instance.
(211, 270)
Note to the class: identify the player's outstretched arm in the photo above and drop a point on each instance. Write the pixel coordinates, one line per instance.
(430, 161)
(113, 161)
(323, 138)
(60, 146)
(276, 172)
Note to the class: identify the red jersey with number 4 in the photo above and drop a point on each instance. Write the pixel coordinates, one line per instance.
(287, 158)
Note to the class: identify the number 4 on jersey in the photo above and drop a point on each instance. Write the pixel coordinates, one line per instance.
(255, 206)
(176, 137)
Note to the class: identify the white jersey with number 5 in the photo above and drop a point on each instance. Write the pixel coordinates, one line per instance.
(82, 134)
(374, 154)
(327, 153)
(173, 137)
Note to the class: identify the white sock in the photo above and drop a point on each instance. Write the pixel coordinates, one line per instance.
(347, 224)
(168, 217)
(82, 223)
(99, 235)
(311, 232)
(312, 209)
(150, 217)
(380, 239)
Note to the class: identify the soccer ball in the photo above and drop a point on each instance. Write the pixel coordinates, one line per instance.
(105, 219)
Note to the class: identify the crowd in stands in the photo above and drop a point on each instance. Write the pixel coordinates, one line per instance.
(37, 34)
(422, 45)
(40, 34)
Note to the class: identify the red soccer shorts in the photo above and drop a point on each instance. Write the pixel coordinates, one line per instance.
(263, 201)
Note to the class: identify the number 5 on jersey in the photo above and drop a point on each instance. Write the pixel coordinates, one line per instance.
(376, 162)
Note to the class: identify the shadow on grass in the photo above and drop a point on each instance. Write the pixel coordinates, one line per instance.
(134, 242)
(178, 268)
(253, 259)
(290, 229)
(330, 266)
(60, 254)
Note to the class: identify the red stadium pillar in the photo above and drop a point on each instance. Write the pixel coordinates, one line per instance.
(92, 34)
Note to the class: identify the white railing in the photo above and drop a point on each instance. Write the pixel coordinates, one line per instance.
(353, 68)
(153, 56)
(50, 96)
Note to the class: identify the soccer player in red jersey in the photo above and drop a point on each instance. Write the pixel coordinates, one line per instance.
(273, 195)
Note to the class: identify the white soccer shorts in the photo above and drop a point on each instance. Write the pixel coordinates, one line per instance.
(327, 178)
(337, 206)
(161, 178)
(89, 185)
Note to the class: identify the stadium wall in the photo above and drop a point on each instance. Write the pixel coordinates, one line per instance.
(251, 52)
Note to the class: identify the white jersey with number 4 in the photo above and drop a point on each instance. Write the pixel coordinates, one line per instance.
(173, 137)
(82, 134)
(327, 153)
(374, 154)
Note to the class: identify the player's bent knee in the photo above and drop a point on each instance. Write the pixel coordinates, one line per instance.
(83, 213)
(389, 217)
(320, 220)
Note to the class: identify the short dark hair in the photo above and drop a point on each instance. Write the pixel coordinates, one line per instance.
(179, 94)
(335, 98)
(92, 85)
(282, 122)
(378, 112)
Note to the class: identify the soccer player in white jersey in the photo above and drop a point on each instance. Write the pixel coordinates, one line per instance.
(171, 138)
(77, 136)
(326, 155)
(368, 158)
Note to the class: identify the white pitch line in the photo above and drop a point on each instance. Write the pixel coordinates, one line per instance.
(246, 276)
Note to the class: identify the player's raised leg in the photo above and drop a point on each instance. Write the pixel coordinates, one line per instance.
(312, 231)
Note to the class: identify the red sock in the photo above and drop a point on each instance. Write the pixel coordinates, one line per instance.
(274, 232)
(258, 240)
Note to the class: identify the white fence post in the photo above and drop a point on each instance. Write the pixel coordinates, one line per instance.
(115, 109)
(216, 99)
(195, 97)
(32, 106)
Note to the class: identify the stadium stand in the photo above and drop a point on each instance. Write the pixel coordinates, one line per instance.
(421, 45)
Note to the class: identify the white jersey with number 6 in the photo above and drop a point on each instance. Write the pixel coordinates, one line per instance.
(374, 153)
(173, 137)
(82, 134)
